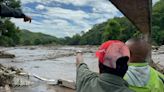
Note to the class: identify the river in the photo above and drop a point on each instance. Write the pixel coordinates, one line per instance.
(53, 62)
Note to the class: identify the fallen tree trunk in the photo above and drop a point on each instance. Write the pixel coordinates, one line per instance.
(6, 55)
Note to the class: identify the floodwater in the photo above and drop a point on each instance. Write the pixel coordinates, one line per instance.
(50, 63)
(158, 56)
(55, 62)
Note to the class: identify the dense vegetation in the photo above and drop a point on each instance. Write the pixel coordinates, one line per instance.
(116, 28)
(121, 29)
(8, 30)
(30, 38)
(10, 35)
(158, 23)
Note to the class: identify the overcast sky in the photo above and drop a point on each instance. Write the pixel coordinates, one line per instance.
(62, 18)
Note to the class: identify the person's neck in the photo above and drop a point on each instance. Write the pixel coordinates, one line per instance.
(113, 73)
(137, 61)
(117, 72)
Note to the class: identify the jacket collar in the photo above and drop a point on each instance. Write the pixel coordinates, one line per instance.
(114, 79)
(138, 64)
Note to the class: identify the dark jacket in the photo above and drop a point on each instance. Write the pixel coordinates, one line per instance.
(10, 12)
(88, 81)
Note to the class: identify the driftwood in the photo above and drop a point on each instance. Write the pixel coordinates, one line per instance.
(155, 48)
(67, 83)
(158, 67)
(10, 76)
(6, 88)
(61, 82)
(6, 55)
(6, 75)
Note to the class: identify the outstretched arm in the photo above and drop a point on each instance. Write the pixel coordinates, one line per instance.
(84, 75)
(6, 11)
(79, 58)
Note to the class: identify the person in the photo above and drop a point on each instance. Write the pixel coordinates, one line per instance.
(140, 76)
(113, 56)
(6, 11)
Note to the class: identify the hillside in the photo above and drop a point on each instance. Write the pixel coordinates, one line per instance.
(31, 38)
(121, 29)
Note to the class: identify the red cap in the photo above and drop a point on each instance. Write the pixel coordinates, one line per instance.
(110, 51)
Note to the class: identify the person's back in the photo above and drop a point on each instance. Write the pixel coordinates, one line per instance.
(143, 78)
(140, 76)
(110, 78)
(92, 82)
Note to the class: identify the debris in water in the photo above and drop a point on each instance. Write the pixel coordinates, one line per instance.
(67, 83)
(6, 55)
(158, 67)
(10, 76)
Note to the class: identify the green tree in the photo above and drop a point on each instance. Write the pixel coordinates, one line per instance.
(37, 42)
(8, 29)
(27, 42)
(112, 30)
(158, 23)
(75, 39)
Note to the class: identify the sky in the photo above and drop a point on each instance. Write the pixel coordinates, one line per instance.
(63, 18)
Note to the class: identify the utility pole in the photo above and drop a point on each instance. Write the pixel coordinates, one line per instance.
(139, 12)
(149, 34)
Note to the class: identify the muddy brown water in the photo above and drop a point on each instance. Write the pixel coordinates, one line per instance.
(48, 62)
(42, 61)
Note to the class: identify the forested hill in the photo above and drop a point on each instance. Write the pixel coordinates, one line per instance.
(31, 38)
(25, 37)
(121, 29)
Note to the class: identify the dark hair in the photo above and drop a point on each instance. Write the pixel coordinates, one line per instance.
(121, 67)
